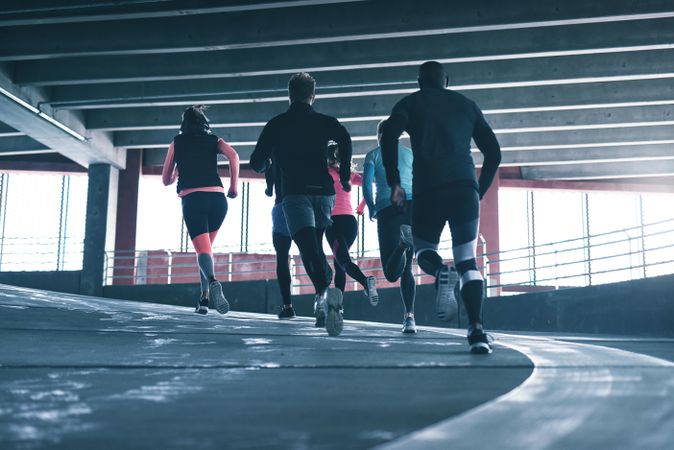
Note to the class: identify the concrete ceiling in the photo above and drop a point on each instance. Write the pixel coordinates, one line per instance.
(575, 90)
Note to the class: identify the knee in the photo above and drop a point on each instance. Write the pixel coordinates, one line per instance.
(391, 278)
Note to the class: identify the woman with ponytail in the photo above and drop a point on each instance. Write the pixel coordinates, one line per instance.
(192, 159)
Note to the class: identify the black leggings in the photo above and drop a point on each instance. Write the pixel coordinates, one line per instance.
(395, 259)
(204, 212)
(341, 235)
(282, 244)
(459, 205)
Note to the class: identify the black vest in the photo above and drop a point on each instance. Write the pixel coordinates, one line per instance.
(196, 156)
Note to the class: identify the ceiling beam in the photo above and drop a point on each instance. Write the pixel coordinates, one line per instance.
(379, 104)
(360, 21)
(614, 170)
(546, 121)
(464, 76)
(17, 13)
(591, 38)
(63, 132)
(21, 145)
(7, 131)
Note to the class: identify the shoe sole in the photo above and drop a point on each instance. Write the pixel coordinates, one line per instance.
(334, 323)
(446, 306)
(480, 348)
(372, 294)
(217, 298)
(406, 238)
(409, 330)
(203, 310)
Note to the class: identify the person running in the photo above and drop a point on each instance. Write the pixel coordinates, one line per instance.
(281, 240)
(441, 123)
(192, 159)
(297, 142)
(393, 224)
(344, 230)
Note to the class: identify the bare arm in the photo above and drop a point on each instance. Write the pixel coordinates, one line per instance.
(169, 172)
(233, 159)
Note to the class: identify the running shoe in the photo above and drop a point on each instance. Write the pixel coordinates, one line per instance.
(371, 291)
(286, 312)
(335, 318)
(217, 298)
(202, 306)
(446, 306)
(406, 239)
(479, 341)
(320, 309)
(409, 325)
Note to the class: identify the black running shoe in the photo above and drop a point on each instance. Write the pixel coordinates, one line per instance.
(202, 306)
(217, 298)
(286, 312)
(479, 341)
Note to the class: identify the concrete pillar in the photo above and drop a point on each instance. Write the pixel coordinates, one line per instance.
(489, 227)
(99, 233)
(127, 213)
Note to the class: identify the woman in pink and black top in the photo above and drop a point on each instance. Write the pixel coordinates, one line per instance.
(192, 159)
(344, 231)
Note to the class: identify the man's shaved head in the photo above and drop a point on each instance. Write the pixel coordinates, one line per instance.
(432, 74)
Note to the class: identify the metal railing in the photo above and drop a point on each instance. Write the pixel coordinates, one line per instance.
(618, 255)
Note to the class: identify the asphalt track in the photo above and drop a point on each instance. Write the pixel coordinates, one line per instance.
(80, 373)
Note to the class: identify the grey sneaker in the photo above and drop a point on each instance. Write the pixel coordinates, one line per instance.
(445, 302)
(334, 322)
(406, 239)
(409, 325)
(371, 291)
(217, 298)
(320, 309)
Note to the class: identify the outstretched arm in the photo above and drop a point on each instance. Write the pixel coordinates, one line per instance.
(488, 144)
(169, 172)
(233, 159)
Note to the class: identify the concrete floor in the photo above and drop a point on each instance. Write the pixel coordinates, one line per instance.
(79, 372)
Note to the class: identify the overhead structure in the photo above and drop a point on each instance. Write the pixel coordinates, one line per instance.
(575, 90)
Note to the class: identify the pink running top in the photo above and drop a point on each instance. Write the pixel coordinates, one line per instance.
(343, 205)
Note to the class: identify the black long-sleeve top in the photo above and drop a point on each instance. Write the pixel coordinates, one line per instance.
(297, 141)
(440, 123)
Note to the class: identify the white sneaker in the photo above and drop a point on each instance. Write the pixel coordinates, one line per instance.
(335, 318)
(409, 325)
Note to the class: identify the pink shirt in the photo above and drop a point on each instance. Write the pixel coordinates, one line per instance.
(343, 205)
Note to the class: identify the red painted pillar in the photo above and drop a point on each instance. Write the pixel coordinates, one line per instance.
(127, 212)
(489, 230)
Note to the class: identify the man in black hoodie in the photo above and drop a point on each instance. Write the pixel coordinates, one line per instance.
(297, 142)
(445, 188)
